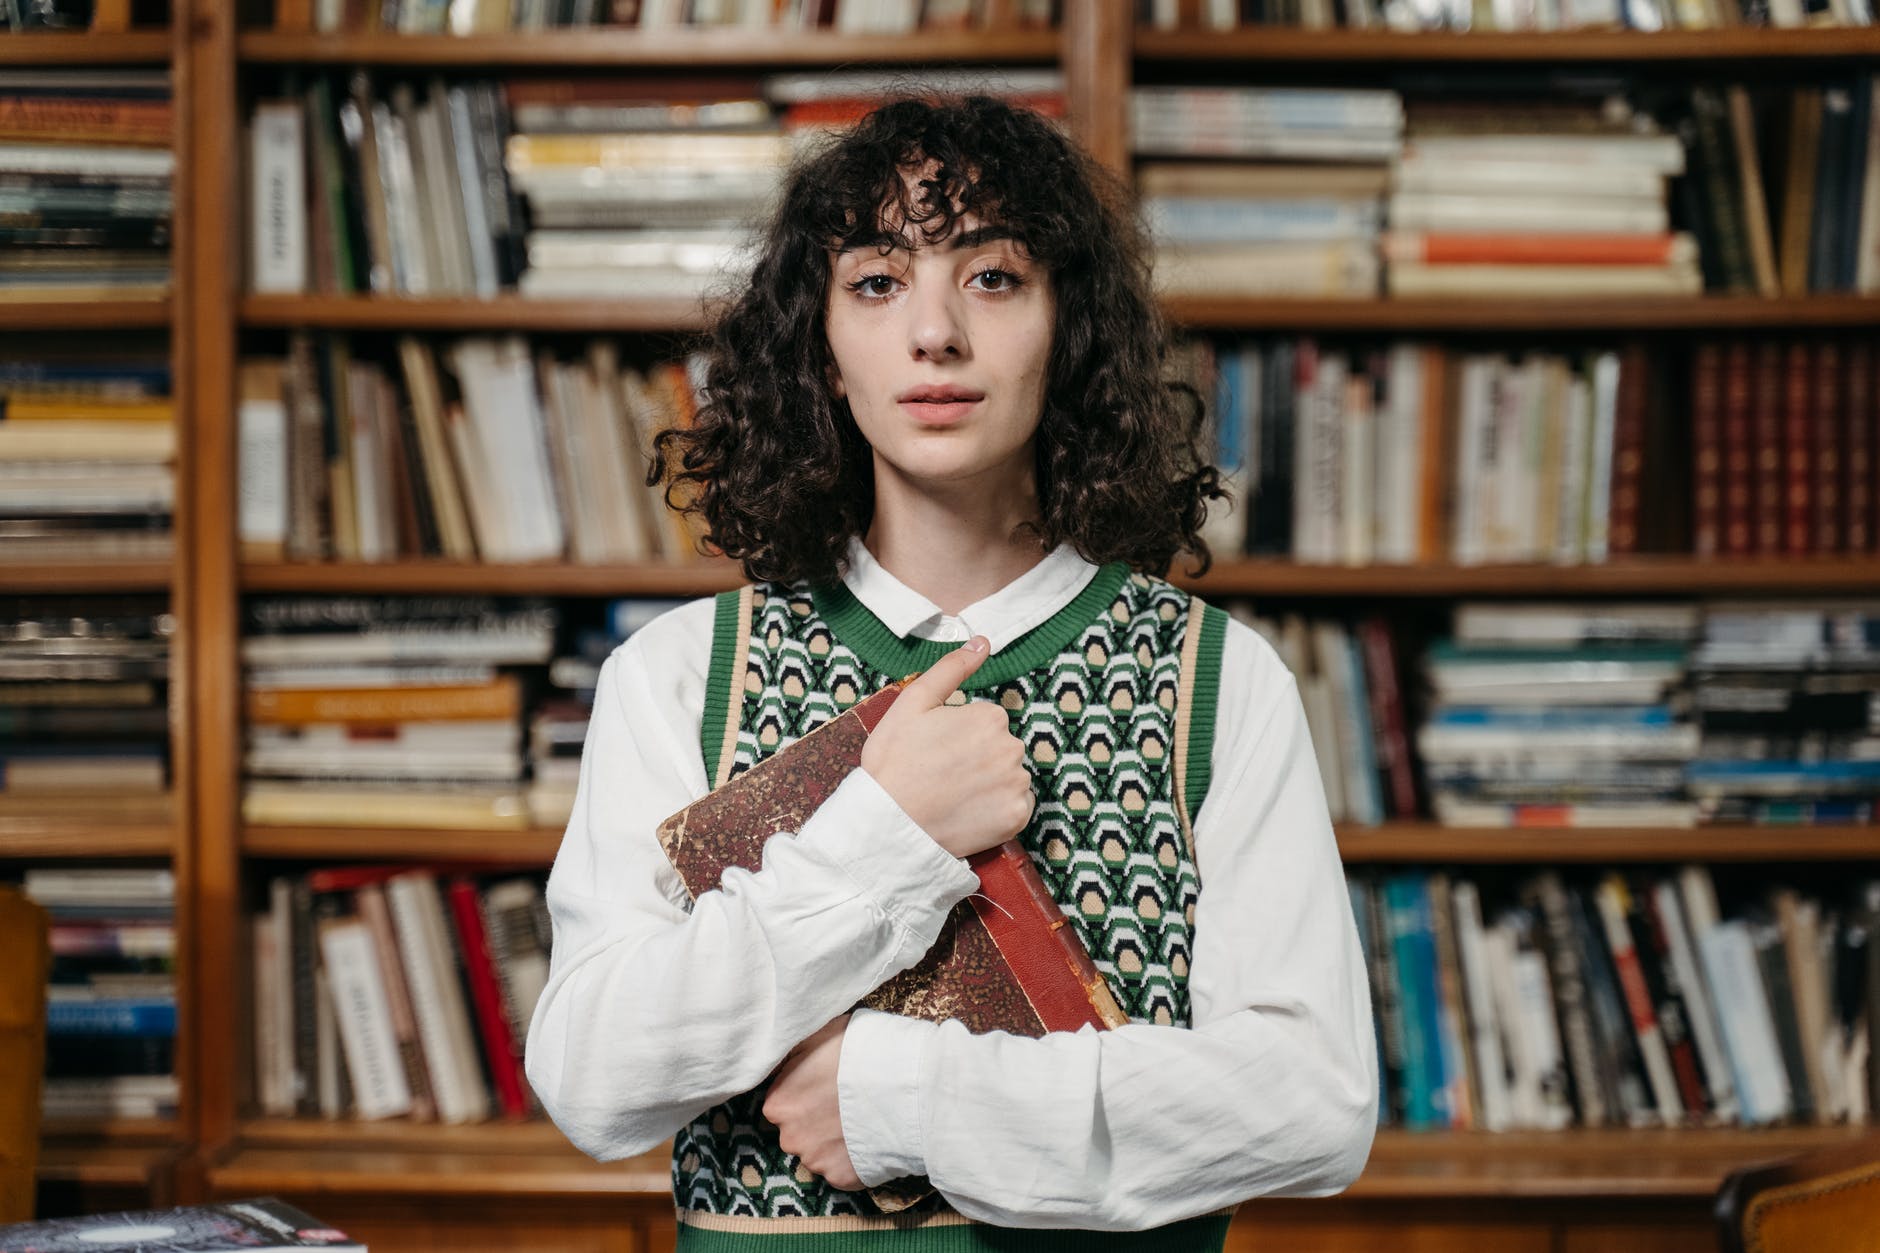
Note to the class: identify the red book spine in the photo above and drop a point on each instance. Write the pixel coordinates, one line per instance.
(1857, 462)
(1830, 533)
(499, 1045)
(1766, 423)
(1628, 455)
(1035, 938)
(1380, 668)
(1739, 453)
(1707, 450)
(1798, 458)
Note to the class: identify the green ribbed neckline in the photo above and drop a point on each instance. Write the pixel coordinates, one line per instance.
(871, 640)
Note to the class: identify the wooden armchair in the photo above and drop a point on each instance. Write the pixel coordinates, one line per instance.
(23, 971)
(1823, 1202)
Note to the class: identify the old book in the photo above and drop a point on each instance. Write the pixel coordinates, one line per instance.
(1004, 961)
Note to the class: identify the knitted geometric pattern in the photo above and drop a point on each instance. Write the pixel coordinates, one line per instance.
(1093, 695)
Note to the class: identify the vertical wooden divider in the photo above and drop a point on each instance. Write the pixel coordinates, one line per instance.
(212, 235)
(1094, 49)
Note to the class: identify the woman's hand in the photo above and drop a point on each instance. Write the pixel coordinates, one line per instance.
(957, 771)
(804, 1105)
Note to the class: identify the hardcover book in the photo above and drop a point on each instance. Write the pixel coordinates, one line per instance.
(263, 1223)
(1005, 960)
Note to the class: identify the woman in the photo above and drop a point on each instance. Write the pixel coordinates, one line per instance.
(935, 435)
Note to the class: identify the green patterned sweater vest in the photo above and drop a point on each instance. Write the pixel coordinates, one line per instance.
(1114, 700)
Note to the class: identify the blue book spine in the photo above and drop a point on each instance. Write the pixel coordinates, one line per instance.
(121, 1018)
(1407, 907)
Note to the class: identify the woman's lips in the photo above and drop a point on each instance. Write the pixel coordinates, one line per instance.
(938, 412)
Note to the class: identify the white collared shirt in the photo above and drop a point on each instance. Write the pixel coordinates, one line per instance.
(654, 1013)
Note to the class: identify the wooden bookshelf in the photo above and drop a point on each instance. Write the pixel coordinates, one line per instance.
(141, 47)
(108, 831)
(544, 579)
(1278, 45)
(532, 847)
(1644, 576)
(52, 575)
(1420, 314)
(1399, 842)
(501, 313)
(663, 49)
(19, 313)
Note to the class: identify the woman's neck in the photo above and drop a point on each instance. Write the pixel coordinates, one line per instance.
(955, 552)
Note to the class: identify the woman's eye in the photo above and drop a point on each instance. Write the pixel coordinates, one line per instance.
(873, 285)
(996, 280)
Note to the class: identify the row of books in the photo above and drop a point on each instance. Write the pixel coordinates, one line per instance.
(85, 174)
(82, 685)
(616, 187)
(390, 710)
(474, 17)
(1509, 15)
(486, 449)
(397, 992)
(111, 1004)
(87, 451)
(1644, 715)
(1620, 999)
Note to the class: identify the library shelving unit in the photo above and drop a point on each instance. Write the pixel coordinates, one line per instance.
(114, 1163)
(499, 1186)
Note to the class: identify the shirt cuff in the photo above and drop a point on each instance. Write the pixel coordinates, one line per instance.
(863, 832)
(878, 1094)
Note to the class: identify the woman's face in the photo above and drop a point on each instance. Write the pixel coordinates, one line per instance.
(941, 352)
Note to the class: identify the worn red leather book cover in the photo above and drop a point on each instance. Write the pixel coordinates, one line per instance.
(1739, 453)
(1006, 960)
(1707, 441)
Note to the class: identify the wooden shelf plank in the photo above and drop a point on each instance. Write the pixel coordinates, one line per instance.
(86, 576)
(501, 313)
(1290, 46)
(17, 314)
(1636, 1165)
(144, 827)
(677, 48)
(79, 1132)
(1645, 576)
(142, 47)
(1639, 576)
(650, 579)
(523, 848)
(532, 1159)
(1431, 842)
(1672, 313)
(392, 1159)
(106, 1165)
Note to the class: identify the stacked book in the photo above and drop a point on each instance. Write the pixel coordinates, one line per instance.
(1408, 452)
(396, 992)
(111, 1005)
(83, 723)
(1509, 15)
(1788, 699)
(85, 169)
(87, 446)
(811, 105)
(1547, 197)
(1614, 999)
(1560, 716)
(1276, 228)
(641, 189)
(558, 723)
(356, 186)
(492, 449)
(389, 711)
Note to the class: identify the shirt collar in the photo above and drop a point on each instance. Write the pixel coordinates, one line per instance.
(1002, 617)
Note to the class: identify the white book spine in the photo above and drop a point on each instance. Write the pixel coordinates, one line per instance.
(1570, 537)
(434, 997)
(1749, 1029)
(1651, 1044)
(1698, 1001)
(364, 1018)
(1599, 481)
(1472, 954)
(261, 423)
(1475, 405)
(277, 163)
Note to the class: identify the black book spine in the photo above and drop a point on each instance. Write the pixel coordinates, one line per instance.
(1772, 960)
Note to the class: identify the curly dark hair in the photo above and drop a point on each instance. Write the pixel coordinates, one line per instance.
(773, 460)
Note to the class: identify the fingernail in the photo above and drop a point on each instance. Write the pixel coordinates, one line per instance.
(978, 644)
